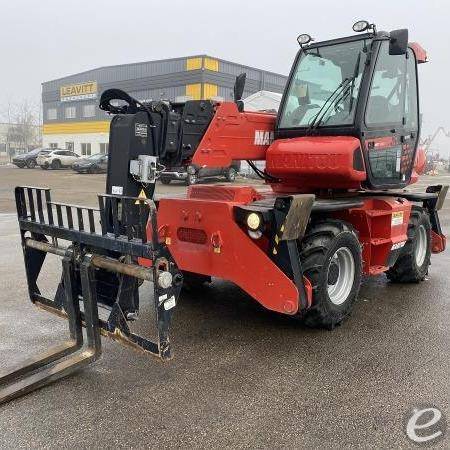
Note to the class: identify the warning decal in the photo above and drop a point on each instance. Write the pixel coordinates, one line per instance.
(397, 218)
(141, 195)
(140, 129)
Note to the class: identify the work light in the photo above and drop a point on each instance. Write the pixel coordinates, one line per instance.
(361, 25)
(304, 39)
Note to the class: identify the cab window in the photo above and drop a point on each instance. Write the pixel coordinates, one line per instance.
(324, 76)
(385, 103)
(411, 101)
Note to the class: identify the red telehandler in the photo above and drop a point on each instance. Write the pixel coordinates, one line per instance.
(338, 156)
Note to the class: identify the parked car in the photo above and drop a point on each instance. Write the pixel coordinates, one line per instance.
(56, 158)
(191, 175)
(27, 159)
(93, 164)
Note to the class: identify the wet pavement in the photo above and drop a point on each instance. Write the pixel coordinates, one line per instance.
(241, 376)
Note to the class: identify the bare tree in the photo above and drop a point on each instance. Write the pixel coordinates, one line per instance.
(24, 120)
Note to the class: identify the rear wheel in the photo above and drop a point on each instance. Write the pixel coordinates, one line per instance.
(191, 179)
(331, 260)
(165, 180)
(414, 260)
(56, 164)
(31, 163)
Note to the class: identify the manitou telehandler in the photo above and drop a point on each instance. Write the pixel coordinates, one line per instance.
(338, 156)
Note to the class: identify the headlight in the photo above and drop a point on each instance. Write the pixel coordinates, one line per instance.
(253, 221)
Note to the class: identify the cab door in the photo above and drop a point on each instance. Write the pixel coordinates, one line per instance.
(390, 126)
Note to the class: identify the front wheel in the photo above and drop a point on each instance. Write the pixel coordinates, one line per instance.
(413, 262)
(31, 163)
(165, 180)
(331, 259)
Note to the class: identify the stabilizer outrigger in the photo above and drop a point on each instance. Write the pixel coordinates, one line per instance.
(98, 268)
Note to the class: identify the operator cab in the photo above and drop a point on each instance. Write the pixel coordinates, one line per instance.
(363, 86)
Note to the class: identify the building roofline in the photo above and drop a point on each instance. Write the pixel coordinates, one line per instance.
(160, 61)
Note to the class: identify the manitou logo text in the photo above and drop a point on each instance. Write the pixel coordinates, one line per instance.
(263, 137)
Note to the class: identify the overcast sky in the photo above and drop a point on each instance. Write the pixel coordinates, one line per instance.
(47, 39)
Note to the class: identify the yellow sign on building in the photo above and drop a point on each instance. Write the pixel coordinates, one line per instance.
(78, 91)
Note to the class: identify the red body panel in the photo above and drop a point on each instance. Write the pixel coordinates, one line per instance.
(228, 253)
(234, 135)
(419, 165)
(380, 223)
(203, 237)
(438, 242)
(421, 54)
(315, 163)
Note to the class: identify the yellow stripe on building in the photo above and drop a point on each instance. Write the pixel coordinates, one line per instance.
(194, 91)
(76, 127)
(211, 64)
(193, 63)
(210, 90)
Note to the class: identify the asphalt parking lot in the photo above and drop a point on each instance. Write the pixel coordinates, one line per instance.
(241, 376)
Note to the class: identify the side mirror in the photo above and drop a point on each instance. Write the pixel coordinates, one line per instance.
(239, 85)
(398, 42)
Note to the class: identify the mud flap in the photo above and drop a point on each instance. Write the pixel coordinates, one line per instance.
(291, 216)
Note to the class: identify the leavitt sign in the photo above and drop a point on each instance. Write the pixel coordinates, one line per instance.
(79, 91)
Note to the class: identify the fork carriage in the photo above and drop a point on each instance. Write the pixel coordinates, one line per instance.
(99, 268)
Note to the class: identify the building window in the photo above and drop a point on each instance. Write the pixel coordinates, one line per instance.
(104, 147)
(52, 114)
(69, 146)
(89, 110)
(86, 149)
(53, 145)
(70, 112)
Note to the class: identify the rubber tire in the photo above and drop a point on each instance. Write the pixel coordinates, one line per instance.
(405, 269)
(191, 179)
(165, 181)
(31, 164)
(44, 167)
(56, 164)
(319, 244)
(231, 175)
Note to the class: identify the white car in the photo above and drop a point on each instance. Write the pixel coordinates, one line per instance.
(56, 159)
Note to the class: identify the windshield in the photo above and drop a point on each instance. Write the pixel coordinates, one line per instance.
(326, 79)
(45, 152)
(36, 151)
(95, 157)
